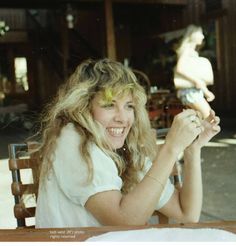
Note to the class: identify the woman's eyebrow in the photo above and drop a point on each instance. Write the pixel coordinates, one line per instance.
(115, 100)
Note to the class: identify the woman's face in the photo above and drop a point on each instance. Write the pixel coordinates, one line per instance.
(197, 37)
(116, 116)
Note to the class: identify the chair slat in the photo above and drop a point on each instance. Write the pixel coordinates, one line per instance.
(19, 189)
(21, 212)
(15, 164)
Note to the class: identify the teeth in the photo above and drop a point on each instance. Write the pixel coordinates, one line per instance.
(116, 131)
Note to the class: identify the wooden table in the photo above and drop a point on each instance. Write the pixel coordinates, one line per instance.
(83, 233)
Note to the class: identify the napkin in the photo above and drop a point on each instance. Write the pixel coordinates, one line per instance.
(167, 235)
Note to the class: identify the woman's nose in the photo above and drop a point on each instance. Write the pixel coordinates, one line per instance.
(120, 115)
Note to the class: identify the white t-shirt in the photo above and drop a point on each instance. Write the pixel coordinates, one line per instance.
(62, 197)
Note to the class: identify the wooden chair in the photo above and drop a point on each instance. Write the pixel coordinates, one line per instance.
(24, 192)
(143, 80)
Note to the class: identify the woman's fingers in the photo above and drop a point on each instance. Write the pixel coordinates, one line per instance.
(216, 128)
(214, 121)
(191, 116)
(185, 128)
(212, 116)
(189, 127)
(186, 113)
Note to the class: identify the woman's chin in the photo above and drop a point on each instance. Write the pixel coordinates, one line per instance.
(117, 145)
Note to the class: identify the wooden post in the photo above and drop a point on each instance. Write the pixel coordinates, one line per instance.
(64, 46)
(110, 32)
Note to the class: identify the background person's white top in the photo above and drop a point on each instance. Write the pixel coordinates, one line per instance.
(61, 201)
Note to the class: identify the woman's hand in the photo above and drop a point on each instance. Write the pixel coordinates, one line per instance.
(209, 96)
(210, 127)
(185, 129)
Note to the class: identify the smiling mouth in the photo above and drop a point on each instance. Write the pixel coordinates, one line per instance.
(116, 131)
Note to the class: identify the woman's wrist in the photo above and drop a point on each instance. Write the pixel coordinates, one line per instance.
(171, 149)
(193, 148)
(192, 152)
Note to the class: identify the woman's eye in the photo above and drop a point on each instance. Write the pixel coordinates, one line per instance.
(130, 106)
(109, 105)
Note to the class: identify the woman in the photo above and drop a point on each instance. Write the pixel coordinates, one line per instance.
(193, 73)
(100, 163)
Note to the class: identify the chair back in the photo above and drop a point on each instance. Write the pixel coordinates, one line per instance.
(22, 164)
(144, 81)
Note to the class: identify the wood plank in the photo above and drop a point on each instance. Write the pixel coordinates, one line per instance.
(173, 2)
(43, 2)
(15, 37)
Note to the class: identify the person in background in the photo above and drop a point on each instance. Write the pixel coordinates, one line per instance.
(193, 73)
(100, 164)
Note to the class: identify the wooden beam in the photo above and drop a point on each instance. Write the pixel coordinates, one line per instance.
(14, 37)
(110, 32)
(56, 3)
(173, 2)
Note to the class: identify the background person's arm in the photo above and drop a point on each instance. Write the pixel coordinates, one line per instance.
(185, 69)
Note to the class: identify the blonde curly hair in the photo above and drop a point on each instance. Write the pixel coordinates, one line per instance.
(72, 104)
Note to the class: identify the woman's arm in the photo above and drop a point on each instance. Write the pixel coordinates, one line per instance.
(186, 69)
(136, 207)
(191, 193)
(208, 94)
(185, 204)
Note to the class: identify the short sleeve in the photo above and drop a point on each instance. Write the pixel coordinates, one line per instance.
(167, 191)
(71, 171)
